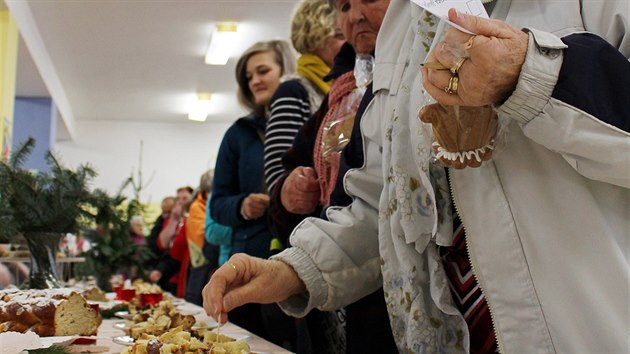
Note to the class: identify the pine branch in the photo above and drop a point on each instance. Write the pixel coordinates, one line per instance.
(19, 156)
(49, 201)
(55, 349)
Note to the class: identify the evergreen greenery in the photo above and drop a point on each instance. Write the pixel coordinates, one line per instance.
(112, 250)
(60, 202)
(55, 349)
(41, 202)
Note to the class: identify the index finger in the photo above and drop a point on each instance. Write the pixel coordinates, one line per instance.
(214, 292)
(259, 197)
(482, 26)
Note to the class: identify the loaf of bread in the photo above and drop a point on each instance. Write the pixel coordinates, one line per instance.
(55, 312)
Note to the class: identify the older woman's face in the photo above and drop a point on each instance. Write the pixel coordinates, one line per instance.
(263, 76)
(137, 227)
(360, 21)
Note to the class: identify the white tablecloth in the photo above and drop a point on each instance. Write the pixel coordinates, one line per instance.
(257, 344)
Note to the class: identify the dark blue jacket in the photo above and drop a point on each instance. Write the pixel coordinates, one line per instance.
(239, 172)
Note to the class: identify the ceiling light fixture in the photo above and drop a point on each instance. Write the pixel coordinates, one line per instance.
(222, 43)
(200, 108)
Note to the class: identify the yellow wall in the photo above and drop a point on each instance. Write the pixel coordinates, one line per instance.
(151, 212)
(8, 63)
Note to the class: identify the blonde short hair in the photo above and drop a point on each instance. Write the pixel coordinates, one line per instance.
(283, 55)
(314, 22)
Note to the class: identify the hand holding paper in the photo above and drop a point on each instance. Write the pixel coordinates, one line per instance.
(491, 63)
(440, 9)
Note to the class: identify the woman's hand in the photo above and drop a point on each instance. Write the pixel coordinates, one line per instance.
(254, 206)
(246, 279)
(155, 276)
(177, 213)
(300, 191)
(465, 135)
(491, 65)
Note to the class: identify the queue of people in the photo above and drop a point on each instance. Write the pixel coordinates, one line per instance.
(530, 219)
(236, 200)
(406, 186)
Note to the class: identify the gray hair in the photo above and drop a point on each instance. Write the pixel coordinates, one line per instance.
(137, 218)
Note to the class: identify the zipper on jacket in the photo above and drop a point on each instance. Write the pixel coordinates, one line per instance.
(474, 266)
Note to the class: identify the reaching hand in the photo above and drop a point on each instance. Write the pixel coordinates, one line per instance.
(300, 191)
(246, 279)
(254, 206)
(482, 69)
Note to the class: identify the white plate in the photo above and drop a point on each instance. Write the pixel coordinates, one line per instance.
(105, 305)
(177, 301)
(206, 326)
(189, 311)
(121, 325)
(123, 314)
(127, 316)
(123, 340)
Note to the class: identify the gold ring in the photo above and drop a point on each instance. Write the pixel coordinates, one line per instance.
(458, 65)
(453, 83)
(233, 266)
(469, 43)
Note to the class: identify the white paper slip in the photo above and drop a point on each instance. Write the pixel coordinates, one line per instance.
(440, 9)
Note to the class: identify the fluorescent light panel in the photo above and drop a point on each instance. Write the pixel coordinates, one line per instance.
(200, 108)
(222, 43)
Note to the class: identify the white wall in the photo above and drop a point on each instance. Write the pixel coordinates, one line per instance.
(176, 154)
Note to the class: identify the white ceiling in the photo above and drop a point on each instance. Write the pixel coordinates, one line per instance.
(135, 60)
(29, 82)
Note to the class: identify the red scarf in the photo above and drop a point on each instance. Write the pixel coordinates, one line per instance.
(328, 168)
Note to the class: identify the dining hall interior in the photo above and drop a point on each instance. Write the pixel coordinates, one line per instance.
(112, 83)
(314, 176)
(134, 89)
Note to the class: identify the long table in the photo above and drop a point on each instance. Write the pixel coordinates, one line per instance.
(107, 332)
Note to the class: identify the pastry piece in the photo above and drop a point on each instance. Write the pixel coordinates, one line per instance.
(95, 294)
(178, 340)
(158, 320)
(47, 313)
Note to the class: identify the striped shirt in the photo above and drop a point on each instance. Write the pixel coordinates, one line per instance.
(290, 107)
(467, 294)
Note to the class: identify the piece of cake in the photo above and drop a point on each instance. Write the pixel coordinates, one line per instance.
(47, 313)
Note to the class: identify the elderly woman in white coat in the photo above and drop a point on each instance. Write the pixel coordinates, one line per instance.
(546, 219)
